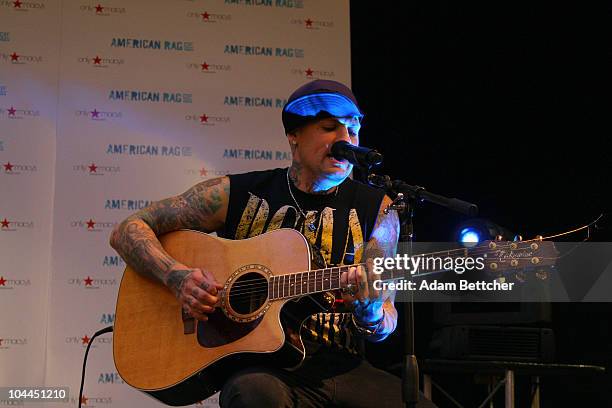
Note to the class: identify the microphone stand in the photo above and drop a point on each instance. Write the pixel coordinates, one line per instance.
(407, 198)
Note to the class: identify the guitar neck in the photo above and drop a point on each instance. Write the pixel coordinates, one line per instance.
(496, 256)
(305, 283)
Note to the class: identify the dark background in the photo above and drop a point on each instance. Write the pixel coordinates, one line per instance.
(504, 104)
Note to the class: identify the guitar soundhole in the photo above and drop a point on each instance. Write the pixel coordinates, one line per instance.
(248, 293)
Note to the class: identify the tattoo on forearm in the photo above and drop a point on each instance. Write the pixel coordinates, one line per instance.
(175, 279)
(383, 242)
(199, 208)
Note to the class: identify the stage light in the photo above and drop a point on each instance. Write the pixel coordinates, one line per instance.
(473, 231)
(469, 235)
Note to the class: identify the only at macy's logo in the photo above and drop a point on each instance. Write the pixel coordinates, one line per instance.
(93, 226)
(208, 68)
(84, 341)
(102, 10)
(311, 24)
(7, 225)
(101, 62)
(88, 401)
(313, 73)
(92, 283)
(206, 17)
(15, 169)
(22, 5)
(8, 342)
(149, 96)
(97, 115)
(19, 113)
(208, 120)
(94, 169)
(207, 172)
(7, 283)
(20, 59)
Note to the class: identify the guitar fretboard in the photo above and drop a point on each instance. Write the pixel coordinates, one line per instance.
(305, 283)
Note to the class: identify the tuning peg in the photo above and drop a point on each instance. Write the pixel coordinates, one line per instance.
(520, 276)
(539, 237)
(542, 274)
(518, 238)
(499, 238)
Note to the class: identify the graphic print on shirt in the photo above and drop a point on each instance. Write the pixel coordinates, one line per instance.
(257, 213)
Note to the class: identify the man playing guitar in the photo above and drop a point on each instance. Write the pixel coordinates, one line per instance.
(344, 223)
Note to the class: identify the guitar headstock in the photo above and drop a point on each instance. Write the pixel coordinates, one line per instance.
(503, 258)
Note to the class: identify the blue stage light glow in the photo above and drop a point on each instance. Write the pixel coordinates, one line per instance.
(470, 235)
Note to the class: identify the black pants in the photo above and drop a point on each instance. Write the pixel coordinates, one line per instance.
(326, 379)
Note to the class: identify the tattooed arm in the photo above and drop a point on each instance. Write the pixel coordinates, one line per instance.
(373, 309)
(203, 207)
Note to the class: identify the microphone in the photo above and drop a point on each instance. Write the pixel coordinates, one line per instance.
(359, 156)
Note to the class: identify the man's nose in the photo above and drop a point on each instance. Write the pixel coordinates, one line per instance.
(342, 133)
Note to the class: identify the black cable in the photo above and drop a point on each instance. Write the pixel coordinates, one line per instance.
(99, 332)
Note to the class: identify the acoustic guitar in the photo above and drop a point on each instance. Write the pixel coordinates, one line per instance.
(269, 291)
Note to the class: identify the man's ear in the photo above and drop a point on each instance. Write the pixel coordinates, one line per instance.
(292, 137)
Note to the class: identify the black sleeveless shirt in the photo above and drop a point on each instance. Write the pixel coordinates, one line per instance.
(343, 222)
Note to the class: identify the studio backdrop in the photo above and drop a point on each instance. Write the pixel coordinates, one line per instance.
(106, 107)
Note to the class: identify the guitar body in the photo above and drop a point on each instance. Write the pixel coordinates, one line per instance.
(180, 363)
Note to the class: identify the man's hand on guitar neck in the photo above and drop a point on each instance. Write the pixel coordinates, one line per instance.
(367, 301)
(196, 289)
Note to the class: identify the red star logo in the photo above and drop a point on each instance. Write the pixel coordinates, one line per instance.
(2, 281)
(12, 111)
(17, 4)
(97, 60)
(309, 72)
(90, 224)
(93, 168)
(205, 15)
(88, 281)
(8, 167)
(308, 23)
(84, 400)
(94, 113)
(203, 172)
(14, 57)
(99, 8)
(85, 340)
(203, 118)
(204, 66)
(5, 223)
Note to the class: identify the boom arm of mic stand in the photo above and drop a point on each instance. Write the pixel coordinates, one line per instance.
(420, 194)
